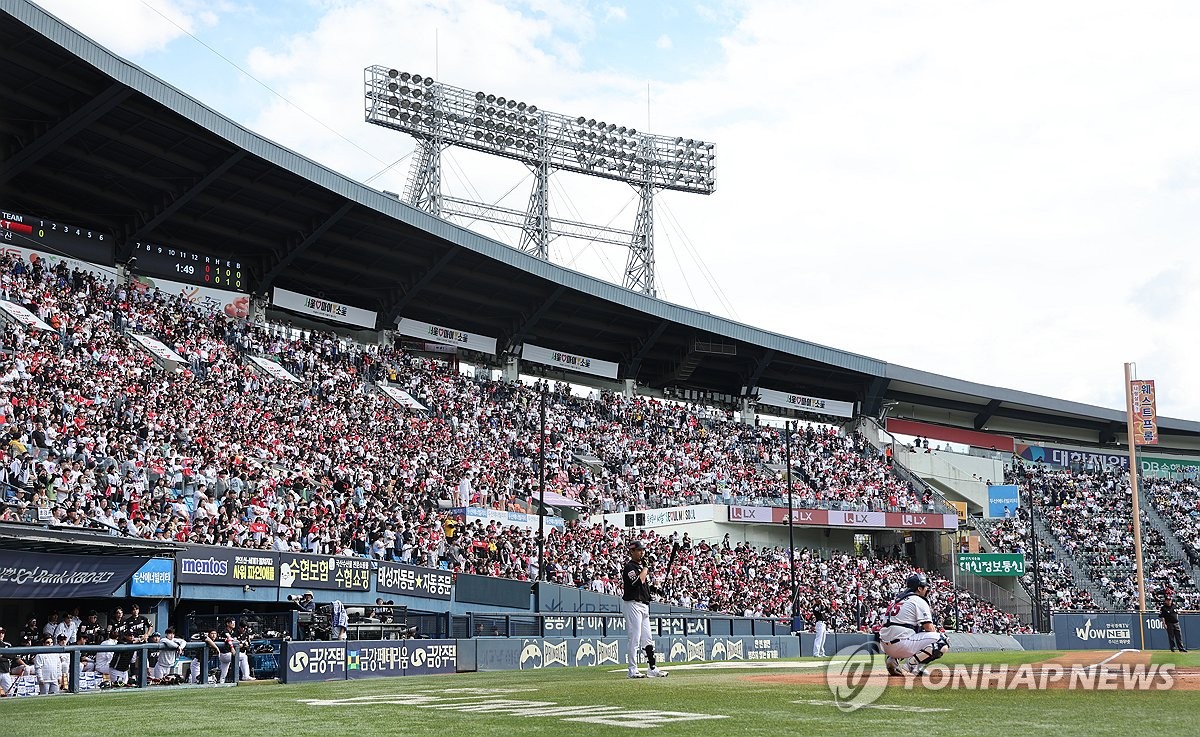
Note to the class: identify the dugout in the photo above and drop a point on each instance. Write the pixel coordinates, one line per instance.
(44, 569)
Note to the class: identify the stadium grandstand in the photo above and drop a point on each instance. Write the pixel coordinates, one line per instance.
(210, 340)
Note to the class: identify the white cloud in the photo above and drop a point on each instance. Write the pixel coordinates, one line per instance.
(615, 13)
(130, 27)
(663, 42)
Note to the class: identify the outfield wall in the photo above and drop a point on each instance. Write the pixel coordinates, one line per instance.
(353, 659)
(1107, 630)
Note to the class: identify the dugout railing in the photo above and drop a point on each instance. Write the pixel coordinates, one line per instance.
(138, 670)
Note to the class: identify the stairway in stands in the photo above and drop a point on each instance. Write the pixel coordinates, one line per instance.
(1081, 578)
(1174, 547)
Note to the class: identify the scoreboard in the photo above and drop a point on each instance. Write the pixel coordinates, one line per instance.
(50, 236)
(189, 266)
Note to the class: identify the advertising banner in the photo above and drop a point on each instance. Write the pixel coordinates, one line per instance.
(1070, 457)
(858, 519)
(379, 658)
(1170, 468)
(448, 336)
(402, 398)
(231, 304)
(500, 516)
(29, 575)
(921, 521)
(836, 518)
(1003, 500)
(1145, 412)
(751, 514)
(535, 653)
(18, 314)
(568, 361)
(802, 403)
(227, 566)
(667, 516)
(273, 369)
(1096, 631)
(155, 579)
(992, 564)
(428, 583)
(313, 661)
(961, 508)
(302, 571)
(323, 308)
(156, 348)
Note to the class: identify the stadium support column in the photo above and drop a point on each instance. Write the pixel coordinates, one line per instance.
(542, 491)
(510, 370)
(749, 413)
(1037, 569)
(639, 269)
(787, 434)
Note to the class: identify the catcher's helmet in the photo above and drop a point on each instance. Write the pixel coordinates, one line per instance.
(916, 581)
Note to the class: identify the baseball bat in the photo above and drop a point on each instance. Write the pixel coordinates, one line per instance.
(671, 558)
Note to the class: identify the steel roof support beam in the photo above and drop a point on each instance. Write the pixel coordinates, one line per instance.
(635, 364)
(394, 313)
(759, 367)
(527, 325)
(290, 254)
(1006, 412)
(875, 393)
(169, 208)
(982, 418)
(64, 130)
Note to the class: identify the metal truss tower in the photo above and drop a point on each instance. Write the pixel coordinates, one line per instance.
(440, 116)
(639, 268)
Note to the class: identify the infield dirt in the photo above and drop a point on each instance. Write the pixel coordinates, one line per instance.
(1109, 661)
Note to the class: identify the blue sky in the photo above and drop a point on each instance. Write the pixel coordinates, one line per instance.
(958, 187)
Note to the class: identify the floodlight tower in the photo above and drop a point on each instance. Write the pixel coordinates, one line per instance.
(440, 116)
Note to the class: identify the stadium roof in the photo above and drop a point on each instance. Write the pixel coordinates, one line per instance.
(42, 538)
(93, 140)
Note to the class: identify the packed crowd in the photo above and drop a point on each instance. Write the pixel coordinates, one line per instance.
(220, 454)
(1089, 513)
(1059, 591)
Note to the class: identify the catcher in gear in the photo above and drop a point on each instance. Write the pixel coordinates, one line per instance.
(909, 638)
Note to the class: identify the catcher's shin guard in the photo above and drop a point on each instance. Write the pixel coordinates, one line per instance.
(932, 652)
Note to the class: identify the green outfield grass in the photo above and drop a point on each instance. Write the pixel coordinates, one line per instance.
(748, 707)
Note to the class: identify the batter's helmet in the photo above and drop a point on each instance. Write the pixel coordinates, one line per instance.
(916, 581)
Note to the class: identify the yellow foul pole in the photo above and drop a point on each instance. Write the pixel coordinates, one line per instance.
(1131, 431)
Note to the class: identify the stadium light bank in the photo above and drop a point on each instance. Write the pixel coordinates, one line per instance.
(441, 115)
